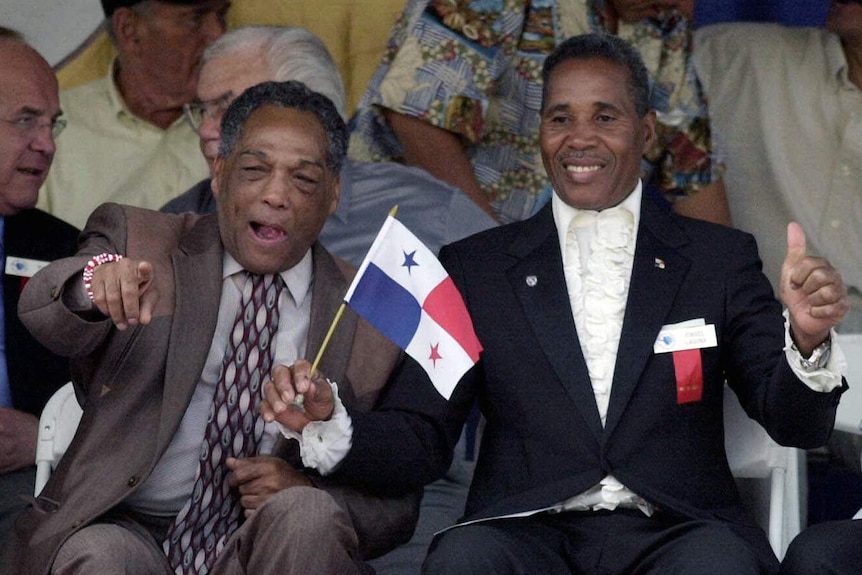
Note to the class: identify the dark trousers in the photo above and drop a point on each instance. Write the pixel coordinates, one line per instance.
(622, 542)
(832, 548)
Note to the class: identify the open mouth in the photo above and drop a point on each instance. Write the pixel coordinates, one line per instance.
(36, 172)
(583, 169)
(267, 232)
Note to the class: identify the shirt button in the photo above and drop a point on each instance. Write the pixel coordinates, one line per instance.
(133, 480)
(845, 169)
(835, 224)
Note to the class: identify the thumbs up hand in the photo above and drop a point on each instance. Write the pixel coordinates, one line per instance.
(813, 292)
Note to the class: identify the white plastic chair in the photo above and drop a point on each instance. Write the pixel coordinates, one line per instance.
(57, 426)
(849, 416)
(772, 478)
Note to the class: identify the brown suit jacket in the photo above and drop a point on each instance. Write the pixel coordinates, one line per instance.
(135, 385)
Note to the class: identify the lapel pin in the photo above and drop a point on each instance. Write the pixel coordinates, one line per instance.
(659, 263)
(532, 281)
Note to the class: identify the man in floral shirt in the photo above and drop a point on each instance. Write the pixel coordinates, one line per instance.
(459, 88)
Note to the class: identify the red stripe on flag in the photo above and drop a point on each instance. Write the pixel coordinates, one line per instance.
(446, 306)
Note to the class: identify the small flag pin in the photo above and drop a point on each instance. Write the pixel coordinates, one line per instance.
(659, 263)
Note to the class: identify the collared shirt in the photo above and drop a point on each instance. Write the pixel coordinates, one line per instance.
(475, 70)
(170, 484)
(788, 123)
(108, 154)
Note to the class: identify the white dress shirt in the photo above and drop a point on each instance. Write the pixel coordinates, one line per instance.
(170, 484)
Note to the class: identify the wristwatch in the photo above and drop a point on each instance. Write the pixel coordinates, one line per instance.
(818, 358)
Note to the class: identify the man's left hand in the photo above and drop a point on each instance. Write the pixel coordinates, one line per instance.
(280, 396)
(259, 478)
(813, 292)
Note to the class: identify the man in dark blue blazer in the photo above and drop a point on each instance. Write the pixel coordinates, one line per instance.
(609, 328)
(29, 108)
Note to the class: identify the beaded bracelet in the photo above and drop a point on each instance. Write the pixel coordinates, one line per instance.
(95, 262)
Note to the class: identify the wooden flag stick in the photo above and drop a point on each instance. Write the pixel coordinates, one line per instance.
(326, 339)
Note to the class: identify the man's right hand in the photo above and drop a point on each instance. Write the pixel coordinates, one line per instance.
(124, 291)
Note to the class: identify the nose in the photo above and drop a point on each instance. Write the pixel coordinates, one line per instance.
(209, 128)
(214, 25)
(42, 140)
(580, 135)
(276, 193)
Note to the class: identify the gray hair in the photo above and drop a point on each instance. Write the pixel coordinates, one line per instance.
(295, 95)
(292, 53)
(607, 47)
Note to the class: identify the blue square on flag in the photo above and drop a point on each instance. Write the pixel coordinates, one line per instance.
(396, 311)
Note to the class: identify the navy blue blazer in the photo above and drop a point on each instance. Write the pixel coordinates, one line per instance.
(34, 372)
(544, 441)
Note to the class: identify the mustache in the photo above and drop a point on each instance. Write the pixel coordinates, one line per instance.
(582, 155)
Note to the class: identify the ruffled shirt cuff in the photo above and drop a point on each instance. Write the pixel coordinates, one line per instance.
(823, 378)
(324, 444)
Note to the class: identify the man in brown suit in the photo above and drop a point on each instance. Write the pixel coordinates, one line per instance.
(147, 334)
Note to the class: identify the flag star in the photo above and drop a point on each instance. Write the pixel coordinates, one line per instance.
(409, 262)
(435, 354)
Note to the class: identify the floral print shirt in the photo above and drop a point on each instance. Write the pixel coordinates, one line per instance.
(473, 67)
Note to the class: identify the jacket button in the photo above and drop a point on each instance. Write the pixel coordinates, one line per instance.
(132, 481)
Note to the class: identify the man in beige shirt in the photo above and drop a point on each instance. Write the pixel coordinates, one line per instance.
(127, 141)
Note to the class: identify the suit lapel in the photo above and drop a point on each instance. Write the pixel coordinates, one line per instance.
(197, 266)
(537, 280)
(657, 274)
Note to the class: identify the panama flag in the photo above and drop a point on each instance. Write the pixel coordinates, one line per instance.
(403, 291)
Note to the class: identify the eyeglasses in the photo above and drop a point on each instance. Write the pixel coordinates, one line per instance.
(26, 125)
(195, 112)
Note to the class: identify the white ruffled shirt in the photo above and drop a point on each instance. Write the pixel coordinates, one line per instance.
(598, 253)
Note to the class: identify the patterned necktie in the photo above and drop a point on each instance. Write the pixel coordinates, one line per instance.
(234, 429)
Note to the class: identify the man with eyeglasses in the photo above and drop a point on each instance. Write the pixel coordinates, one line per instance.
(29, 238)
(127, 141)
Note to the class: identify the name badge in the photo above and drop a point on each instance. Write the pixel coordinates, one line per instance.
(23, 267)
(683, 337)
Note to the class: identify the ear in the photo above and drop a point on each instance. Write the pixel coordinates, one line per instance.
(649, 131)
(215, 183)
(336, 195)
(126, 28)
